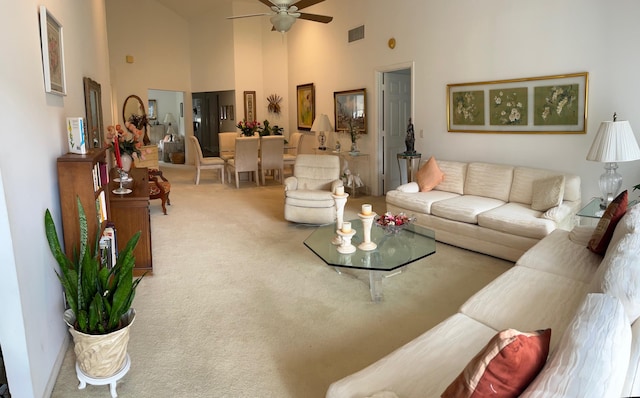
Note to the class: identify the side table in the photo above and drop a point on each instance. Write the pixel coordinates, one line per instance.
(592, 211)
(169, 147)
(412, 161)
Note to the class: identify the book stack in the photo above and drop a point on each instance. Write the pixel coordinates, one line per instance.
(109, 247)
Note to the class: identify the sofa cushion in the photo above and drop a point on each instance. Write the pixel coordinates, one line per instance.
(410, 187)
(517, 219)
(629, 223)
(619, 274)
(607, 224)
(520, 299)
(522, 186)
(464, 208)
(310, 198)
(581, 234)
(454, 176)
(429, 175)
(417, 369)
(592, 357)
(504, 367)
(558, 254)
(419, 202)
(489, 180)
(547, 193)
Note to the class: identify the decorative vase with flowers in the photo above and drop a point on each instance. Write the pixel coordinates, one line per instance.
(248, 128)
(129, 142)
(353, 132)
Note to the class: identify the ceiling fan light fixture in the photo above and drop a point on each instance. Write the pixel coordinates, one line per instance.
(282, 22)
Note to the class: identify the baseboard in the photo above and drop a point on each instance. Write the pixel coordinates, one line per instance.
(57, 365)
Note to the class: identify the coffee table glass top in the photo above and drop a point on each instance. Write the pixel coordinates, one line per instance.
(393, 251)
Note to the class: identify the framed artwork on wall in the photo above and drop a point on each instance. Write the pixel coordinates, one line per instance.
(306, 99)
(93, 109)
(250, 106)
(52, 53)
(153, 109)
(350, 110)
(542, 105)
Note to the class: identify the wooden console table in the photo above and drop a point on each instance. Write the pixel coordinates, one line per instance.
(130, 214)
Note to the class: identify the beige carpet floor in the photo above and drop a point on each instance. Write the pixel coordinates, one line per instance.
(237, 306)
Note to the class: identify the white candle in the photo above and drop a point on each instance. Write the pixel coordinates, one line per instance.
(340, 190)
(366, 209)
(346, 227)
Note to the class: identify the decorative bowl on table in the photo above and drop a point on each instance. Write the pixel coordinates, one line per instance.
(392, 224)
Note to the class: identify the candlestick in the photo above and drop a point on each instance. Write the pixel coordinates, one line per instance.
(346, 227)
(340, 201)
(340, 190)
(367, 222)
(366, 209)
(346, 246)
(116, 150)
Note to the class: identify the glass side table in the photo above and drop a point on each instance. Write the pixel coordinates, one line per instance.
(412, 162)
(592, 211)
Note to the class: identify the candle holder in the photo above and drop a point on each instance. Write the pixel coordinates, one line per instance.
(367, 222)
(123, 177)
(345, 245)
(341, 201)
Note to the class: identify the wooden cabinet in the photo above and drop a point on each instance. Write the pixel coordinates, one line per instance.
(83, 176)
(130, 214)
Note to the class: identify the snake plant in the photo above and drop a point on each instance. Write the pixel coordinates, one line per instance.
(97, 295)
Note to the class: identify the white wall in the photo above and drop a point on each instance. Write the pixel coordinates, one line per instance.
(32, 334)
(461, 41)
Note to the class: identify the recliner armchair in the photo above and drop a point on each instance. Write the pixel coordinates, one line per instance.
(308, 192)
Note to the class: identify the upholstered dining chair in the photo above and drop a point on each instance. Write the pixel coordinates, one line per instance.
(308, 193)
(159, 188)
(245, 159)
(271, 149)
(227, 143)
(289, 158)
(208, 163)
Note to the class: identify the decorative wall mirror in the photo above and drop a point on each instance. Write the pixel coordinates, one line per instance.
(133, 111)
(93, 107)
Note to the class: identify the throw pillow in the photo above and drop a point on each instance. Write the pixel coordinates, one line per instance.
(504, 367)
(429, 175)
(607, 224)
(547, 193)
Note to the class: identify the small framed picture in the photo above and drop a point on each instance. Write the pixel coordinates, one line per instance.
(350, 109)
(250, 106)
(153, 109)
(52, 53)
(306, 99)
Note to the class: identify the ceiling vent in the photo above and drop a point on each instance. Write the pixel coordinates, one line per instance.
(356, 34)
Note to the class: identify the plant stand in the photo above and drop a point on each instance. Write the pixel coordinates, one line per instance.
(111, 381)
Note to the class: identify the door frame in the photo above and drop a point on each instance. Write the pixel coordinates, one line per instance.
(379, 120)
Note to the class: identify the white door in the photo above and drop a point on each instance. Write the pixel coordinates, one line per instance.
(396, 89)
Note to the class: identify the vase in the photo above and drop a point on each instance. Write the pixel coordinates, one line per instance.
(126, 161)
(100, 355)
(354, 147)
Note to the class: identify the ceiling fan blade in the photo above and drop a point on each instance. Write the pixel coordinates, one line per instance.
(306, 3)
(315, 17)
(249, 15)
(266, 3)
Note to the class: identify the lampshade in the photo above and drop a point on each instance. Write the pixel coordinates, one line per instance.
(321, 123)
(614, 142)
(168, 118)
(282, 22)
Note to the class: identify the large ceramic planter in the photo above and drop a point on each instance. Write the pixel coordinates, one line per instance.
(100, 355)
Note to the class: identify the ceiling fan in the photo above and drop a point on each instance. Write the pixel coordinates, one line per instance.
(284, 13)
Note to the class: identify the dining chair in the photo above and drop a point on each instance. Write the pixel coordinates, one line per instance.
(227, 142)
(289, 158)
(215, 163)
(245, 159)
(271, 150)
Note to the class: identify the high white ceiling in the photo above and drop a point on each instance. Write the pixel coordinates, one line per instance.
(192, 8)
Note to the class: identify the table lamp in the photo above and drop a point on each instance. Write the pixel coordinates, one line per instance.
(321, 124)
(168, 119)
(614, 143)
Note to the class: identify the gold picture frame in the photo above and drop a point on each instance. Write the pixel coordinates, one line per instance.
(250, 106)
(350, 107)
(538, 105)
(306, 100)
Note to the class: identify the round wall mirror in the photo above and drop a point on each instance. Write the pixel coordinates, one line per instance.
(133, 111)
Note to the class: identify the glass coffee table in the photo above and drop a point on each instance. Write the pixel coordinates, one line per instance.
(394, 251)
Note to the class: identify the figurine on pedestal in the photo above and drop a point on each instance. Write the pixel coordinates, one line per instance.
(410, 139)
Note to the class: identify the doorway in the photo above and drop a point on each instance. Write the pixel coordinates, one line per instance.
(396, 108)
(213, 112)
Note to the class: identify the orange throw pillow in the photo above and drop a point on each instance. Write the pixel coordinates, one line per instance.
(504, 367)
(607, 224)
(429, 175)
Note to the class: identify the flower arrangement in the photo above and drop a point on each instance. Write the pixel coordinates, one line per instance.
(129, 140)
(394, 223)
(248, 128)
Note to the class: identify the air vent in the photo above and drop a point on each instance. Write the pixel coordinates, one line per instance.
(356, 34)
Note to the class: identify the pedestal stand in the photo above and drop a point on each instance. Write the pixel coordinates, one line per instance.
(345, 245)
(111, 381)
(124, 177)
(367, 222)
(341, 201)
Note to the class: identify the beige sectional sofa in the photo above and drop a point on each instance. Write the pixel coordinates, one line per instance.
(591, 303)
(487, 207)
